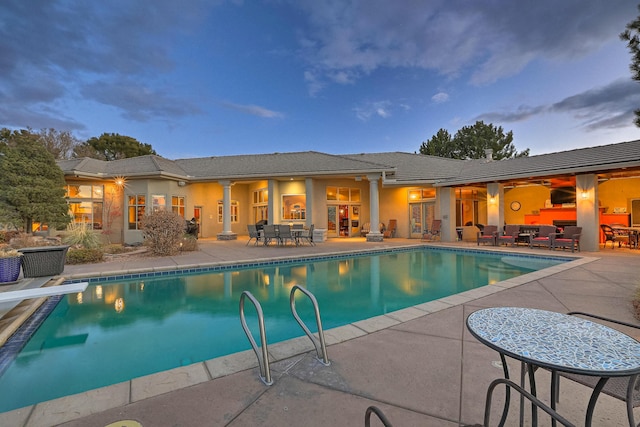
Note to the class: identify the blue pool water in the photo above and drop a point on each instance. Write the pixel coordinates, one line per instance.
(122, 328)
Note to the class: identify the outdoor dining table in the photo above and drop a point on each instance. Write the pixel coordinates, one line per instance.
(556, 342)
(295, 234)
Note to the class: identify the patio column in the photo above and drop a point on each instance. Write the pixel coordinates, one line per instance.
(226, 234)
(374, 209)
(587, 212)
(271, 192)
(446, 203)
(308, 189)
(495, 205)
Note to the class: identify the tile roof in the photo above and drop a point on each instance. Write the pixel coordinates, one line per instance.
(308, 163)
(414, 168)
(399, 168)
(584, 160)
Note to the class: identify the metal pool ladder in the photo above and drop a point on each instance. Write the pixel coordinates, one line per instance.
(321, 349)
(265, 373)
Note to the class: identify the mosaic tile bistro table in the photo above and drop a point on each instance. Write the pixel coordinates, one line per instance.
(559, 343)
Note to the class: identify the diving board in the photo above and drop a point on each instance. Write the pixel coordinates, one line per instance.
(42, 292)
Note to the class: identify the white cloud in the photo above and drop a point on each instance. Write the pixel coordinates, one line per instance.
(440, 97)
(369, 110)
(254, 110)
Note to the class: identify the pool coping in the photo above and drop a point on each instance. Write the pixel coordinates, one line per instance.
(83, 404)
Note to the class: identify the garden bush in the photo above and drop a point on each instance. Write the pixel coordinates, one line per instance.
(81, 235)
(163, 231)
(84, 255)
(189, 243)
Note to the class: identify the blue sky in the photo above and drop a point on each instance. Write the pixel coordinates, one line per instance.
(206, 78)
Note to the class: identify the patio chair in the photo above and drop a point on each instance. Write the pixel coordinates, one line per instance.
(306, 235)
(617, 387)
(611, 236)
(488, 235)
(509, 235)
(253, 234)
(622, 234)
(269, 234)
(284, 234)
(391, 230)
(366, 228)
(434, 232)
(542, 236)
(570, 238)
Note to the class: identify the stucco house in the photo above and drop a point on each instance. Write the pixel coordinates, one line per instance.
(341, 193)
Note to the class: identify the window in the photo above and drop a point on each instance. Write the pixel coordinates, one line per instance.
(343, 194)
(421, 194)
(260, 196)
(260, 205)
(85, 204)
(294, 206)
(158, 202)
(234, 211)
(135, 212)
(177, 205)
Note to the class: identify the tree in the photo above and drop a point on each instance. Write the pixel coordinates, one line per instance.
(32, 186)
(112, 146)
(470, 142)
(632, 36)
(59, 143)
(441, 145)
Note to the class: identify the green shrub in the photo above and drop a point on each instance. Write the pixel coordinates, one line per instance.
(81, 235)
(84, 256)
(163, 231)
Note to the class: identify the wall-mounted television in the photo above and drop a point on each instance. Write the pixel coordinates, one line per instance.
(562, 195)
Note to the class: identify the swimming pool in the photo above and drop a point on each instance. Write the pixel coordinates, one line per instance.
(129, 326)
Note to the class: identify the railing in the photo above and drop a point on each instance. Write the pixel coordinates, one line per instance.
(321, 349)
(265, 373)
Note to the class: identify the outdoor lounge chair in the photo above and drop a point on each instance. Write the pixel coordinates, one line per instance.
(366, 228)
(570, 238)
(434, 232)
(542, 236)
(616, 387)
(253, 234)
(611, 236)
(510, 235)
(391, 230)
(488, 235)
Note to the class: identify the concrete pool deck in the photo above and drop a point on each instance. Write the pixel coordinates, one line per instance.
(419, 365)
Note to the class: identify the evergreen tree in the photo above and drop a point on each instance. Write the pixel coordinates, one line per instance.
(440, 144)
(112, 146)
(470, 142)
(632, 36)
(31, 183)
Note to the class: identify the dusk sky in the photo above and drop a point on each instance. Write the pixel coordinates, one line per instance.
(208, 78)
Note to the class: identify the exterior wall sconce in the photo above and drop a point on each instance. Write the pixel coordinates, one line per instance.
(584, 195)
(120, 181)
(492, 200)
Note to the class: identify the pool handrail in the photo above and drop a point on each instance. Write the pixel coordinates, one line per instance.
(318, 343)
(263, 362)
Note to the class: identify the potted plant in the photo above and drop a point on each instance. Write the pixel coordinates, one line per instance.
(10, 261)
